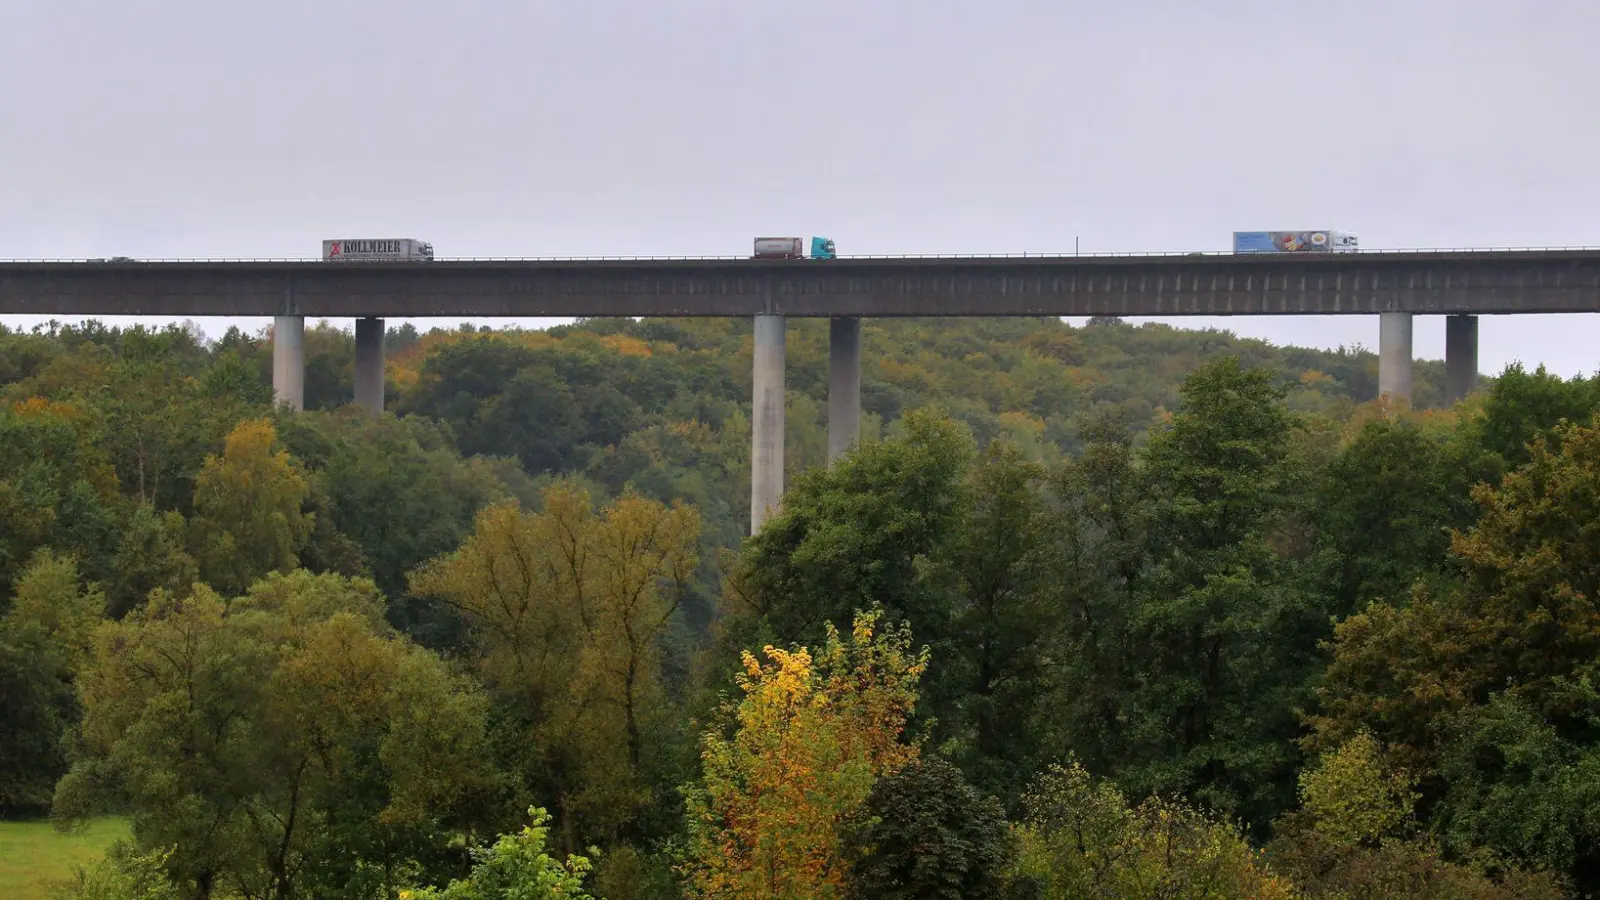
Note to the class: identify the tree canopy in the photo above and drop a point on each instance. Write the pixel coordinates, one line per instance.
(1089, 611)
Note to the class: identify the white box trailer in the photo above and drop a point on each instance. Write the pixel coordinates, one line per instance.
(377, 250)
(1323, 241)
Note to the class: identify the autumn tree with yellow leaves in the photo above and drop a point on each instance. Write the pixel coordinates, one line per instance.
(248, 518)
(1082, 837)
(568, 607)
(808, 739)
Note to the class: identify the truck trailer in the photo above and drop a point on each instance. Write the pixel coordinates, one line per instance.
(793, 248)
(377, 250)
(1294, 242)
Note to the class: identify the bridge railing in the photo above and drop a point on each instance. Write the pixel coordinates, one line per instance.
(1102, 254)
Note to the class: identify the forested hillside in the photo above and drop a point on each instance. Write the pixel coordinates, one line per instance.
(663, 405)
(1106, 611)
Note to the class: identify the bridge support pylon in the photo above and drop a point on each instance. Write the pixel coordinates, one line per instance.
(766, 420)
(369, 364)
(289, 361)
(1460, 356)
(844, 385)
(1394, 356)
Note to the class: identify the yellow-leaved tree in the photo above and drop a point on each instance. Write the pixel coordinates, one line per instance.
(809, 737)
(248, 519)
(1355, 838)
(1081, 837)
(568, 607)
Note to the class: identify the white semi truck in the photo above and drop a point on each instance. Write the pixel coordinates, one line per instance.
(377, 250)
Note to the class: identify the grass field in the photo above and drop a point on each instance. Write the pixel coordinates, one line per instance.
(33, 855)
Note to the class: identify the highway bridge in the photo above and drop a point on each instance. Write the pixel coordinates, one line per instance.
(1394, 285)
(1179, 284)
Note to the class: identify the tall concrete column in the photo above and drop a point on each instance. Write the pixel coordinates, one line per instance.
(289, 360)
(1394, 355)
(844, 385)
(369, 364)
(1460, 356)
(766, 421)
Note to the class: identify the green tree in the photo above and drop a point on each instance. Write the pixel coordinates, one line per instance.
(330, 356)
(1227, 620)
(1526, 616)
(861, 533)
(36, 709)
(1081, 838)
(886, 526)
(1487, 685)
(924, 833)
(124, 874)
(158, 423)
(1515, 784)
(248, 519)
(394, 486)
(57, 488)
(517, 867)
(52, 600)
(501, 399)
(150, 555)
(1353, 797)
(1354, 839)
(1101, 511)
(283, 745)
(44, 638)
(1004, 626)
(1523, 406)
(1386, 505)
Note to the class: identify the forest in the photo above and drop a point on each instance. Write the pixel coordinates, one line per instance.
(1091, 612)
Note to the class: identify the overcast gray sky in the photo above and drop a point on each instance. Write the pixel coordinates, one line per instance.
(197, 128)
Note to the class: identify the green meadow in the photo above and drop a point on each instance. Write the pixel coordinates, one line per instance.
(34, 856)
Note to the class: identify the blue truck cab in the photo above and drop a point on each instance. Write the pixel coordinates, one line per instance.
(822, 248)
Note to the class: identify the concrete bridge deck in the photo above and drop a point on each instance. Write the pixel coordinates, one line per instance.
(1418, 282)
(1396, 286)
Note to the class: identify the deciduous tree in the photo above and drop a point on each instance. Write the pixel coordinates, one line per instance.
(151, 554)
(1081, 838)
(924, 833)
(568, 608)
(284, 745)
(1225, 619)
(1355, 838)
(44, 638)
(516, 867)
(248, 519)
(1487, 685)
(57, 487)
(809, 736)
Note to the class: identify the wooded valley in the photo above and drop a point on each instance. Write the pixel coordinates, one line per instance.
(1108, 611)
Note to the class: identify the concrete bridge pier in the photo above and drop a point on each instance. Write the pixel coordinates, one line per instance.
(289, 361)
(766, 420)
(369, 364)
(1394, 356)
(844, 385)
(1460, 356)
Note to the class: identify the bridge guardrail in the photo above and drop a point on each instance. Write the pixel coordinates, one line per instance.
(882, 256)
